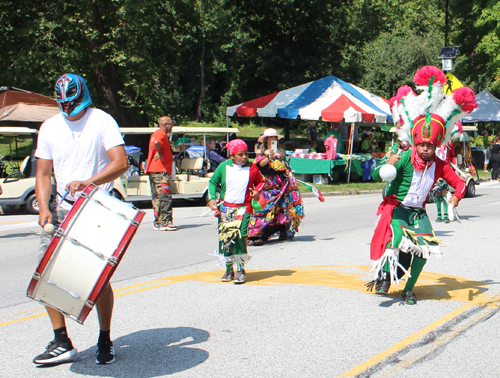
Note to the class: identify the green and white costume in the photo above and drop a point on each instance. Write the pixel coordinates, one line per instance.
(234, 182)
(404, 233)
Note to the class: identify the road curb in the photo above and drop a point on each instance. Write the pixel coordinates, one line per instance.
(350, 192)
(347, 192)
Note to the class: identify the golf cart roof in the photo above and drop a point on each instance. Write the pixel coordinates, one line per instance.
(180, 130)
(15, 131)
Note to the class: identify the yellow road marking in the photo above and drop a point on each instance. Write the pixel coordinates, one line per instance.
(396, 347)
(144, 289)
(431, 286)
(422, 352)
(22, 312)
(23, 319)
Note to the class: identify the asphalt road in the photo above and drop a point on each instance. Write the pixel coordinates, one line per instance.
(304, 311)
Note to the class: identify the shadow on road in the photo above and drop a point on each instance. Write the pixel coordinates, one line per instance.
(392, 301)
(19, 235)
(185, 226)
(443, 233)
(148, 353)
(467, 217)
(260, 276)
(446, 287)
(301, 238)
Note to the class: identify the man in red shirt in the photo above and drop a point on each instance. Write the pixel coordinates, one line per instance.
(159, 168)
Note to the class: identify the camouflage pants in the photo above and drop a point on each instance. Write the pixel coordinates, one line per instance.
(58, 214)
(161, 197)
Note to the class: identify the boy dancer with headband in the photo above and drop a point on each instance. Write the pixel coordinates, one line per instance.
(236, 179)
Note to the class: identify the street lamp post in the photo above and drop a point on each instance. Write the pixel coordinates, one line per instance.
(447, 54)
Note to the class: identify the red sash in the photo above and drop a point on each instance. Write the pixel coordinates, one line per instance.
(383, 233)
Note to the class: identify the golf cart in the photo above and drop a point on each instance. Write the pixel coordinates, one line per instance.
(190, 181)
(465, 166)
(18, 188)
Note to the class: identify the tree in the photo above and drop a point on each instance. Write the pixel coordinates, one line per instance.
(472, 64)
(409, 40)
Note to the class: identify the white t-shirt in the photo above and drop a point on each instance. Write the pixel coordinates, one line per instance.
(78, 148)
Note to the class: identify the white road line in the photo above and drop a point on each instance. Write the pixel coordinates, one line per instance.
(18, 226)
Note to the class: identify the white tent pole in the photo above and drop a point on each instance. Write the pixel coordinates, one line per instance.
(350, 153)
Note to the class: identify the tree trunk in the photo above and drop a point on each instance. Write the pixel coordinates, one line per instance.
(199, 111)
(105, 75)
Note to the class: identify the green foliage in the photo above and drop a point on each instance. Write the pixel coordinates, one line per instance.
(191, 59)
(489, 21)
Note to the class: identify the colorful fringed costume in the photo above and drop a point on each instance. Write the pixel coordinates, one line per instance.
(404, 237)
(234, 183)
(284, 209)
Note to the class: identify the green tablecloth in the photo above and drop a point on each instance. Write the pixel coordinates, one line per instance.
(323, 166)
(314, 166)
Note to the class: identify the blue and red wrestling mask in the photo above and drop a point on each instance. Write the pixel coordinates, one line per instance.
(72, 94)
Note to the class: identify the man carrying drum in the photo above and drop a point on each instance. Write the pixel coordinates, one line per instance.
(81, 145)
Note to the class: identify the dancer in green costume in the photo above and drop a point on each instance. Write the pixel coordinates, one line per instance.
(238, 181)
(403, 238)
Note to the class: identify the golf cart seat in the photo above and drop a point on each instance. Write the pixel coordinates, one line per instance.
(24, 165)
(188, 166)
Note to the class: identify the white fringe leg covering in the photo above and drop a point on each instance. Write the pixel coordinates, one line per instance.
(423, 251)
(241, 260)
(390, 255)
(222, 259)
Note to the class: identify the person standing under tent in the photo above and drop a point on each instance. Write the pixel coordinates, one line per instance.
(366, 145)
(312, 134)
(403, 237)
(335, 132)
(81, 145)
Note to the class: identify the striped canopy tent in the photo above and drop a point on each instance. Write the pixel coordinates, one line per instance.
(329, 99)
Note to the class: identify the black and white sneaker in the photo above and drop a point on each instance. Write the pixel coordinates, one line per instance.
(105, 353)
(56, 352)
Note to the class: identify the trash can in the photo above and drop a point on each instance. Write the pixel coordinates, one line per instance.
(196, 151)
(134, 160)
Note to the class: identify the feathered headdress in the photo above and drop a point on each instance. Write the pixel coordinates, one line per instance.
(431, 115)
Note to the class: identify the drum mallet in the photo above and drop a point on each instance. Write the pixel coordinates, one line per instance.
(49, 228)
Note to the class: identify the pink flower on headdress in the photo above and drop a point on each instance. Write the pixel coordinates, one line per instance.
(465, 98)
(424, 75)
(404, 91)
(393, 101)
(236, 145)
(460, 127)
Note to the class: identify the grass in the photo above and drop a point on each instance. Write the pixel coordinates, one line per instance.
(352, 188)
(8, 147)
